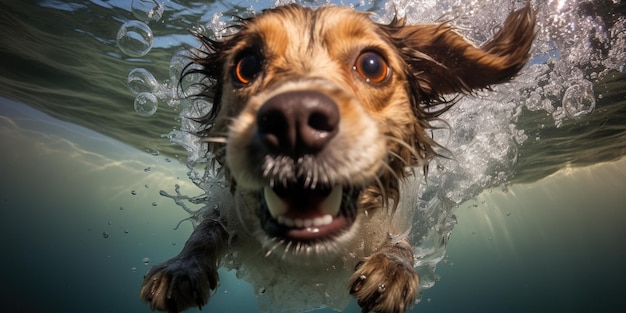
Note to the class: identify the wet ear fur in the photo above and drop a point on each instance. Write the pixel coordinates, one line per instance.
(442, 61)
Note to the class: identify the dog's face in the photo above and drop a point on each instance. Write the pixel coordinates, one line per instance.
(316, 94)
(324, 110)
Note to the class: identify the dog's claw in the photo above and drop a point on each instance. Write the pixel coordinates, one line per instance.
(177, 284)
(386, 281)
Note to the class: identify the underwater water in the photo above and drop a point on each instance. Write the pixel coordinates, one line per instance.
(527, 217)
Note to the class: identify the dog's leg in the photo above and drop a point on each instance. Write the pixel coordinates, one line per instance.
(187, 279)
(386, 281)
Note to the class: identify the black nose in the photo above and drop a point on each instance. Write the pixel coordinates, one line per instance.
(298, 122)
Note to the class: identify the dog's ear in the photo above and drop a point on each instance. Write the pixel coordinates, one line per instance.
(442, 61)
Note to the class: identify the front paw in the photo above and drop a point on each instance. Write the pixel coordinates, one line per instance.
(386, 282)
(178, 284)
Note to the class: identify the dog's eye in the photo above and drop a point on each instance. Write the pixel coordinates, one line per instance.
(247, 68)
(372, 67)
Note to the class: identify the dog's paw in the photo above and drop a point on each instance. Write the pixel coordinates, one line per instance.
(178, 284)
(386, 282)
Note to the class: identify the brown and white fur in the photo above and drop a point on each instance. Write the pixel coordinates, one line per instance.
(318, 116)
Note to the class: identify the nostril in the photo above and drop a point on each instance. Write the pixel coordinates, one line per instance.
(272, 122)
(273, 125)
(321, 122)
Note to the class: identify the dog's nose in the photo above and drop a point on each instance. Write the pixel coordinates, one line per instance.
(298, 122)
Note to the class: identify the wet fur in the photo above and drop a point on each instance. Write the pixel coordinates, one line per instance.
(391, 119)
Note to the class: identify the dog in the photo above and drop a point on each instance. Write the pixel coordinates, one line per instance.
(317, 118)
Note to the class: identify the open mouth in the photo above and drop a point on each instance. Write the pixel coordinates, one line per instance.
(299, 213)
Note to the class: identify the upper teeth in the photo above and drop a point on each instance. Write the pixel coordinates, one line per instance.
(329, 207)
(275, 204)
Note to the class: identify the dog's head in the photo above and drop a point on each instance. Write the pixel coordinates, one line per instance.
(322, 111)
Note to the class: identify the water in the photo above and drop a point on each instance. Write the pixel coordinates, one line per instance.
(75, 150)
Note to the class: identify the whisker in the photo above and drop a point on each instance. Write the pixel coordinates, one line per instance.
(276, 244)
(298, 248)
(212, 139)
(316, 175)
(287, 248)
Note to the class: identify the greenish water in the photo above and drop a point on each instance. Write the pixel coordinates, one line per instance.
(81, 175)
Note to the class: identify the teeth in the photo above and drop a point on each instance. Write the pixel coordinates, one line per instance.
(305, 223)
(331, 204)
(276, 206)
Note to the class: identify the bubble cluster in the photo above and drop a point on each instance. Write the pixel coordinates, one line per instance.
(135, 38)
(147, 90)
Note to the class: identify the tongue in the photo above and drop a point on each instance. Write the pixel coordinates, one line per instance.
(303, 203)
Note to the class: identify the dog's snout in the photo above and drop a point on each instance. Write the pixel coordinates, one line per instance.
(298, 122)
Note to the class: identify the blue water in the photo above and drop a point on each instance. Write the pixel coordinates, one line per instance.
(81, 174)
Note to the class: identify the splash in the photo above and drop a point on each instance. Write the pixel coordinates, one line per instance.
(577, 45)
(147, 10)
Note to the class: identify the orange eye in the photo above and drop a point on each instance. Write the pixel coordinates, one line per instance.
(372, 67)
(246, 69)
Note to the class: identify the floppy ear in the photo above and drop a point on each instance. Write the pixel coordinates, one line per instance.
(445, 62)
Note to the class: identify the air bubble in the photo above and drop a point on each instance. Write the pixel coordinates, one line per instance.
(146, 261)
(141, 80)
(146, 104)
(579, 99)
(147, 10)
(134, 38)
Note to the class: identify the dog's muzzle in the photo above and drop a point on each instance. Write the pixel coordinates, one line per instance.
(293, 127)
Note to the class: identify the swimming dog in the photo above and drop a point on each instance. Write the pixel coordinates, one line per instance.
(317, 117)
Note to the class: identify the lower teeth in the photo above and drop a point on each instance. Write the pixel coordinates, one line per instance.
(305, 223)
